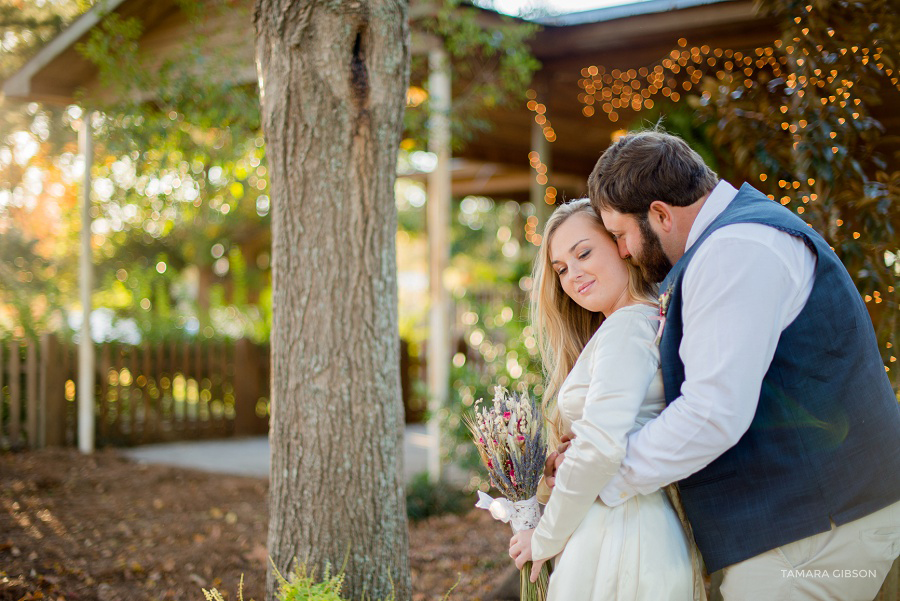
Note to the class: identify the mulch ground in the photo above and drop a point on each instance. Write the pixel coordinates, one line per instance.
(102, 527)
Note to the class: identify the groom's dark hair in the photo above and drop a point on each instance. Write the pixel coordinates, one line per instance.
(644, 166)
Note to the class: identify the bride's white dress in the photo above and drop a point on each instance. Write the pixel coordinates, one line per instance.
(637, 550)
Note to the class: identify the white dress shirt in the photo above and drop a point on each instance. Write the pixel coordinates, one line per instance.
(743, 287)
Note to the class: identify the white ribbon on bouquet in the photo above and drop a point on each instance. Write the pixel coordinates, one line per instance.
(521, 515)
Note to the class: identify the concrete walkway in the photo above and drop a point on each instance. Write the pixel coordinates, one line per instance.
(250, 456)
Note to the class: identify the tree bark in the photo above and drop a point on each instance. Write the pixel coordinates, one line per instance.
(333, 78)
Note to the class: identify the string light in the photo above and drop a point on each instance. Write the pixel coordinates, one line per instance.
(531, 234)
(550, 195)
(534, 158)
(611, 93)
(540, 116)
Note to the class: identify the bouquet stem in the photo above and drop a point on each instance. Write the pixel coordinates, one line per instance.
(534, 591)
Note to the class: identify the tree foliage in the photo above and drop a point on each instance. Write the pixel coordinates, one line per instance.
(35, 195)
(803, 120)
(181, 195)
(25, 26)
(812, 128)
(492, 67)
(491, 275)
(180, 229)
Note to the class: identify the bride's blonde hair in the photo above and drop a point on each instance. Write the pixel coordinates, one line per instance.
(562, 327)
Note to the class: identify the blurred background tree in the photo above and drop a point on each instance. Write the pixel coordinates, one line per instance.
(36, 196)
(181, 228)
(806, 128)
(491, 281)
(805, 121)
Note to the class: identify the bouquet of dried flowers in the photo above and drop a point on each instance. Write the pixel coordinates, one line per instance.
(509, 436)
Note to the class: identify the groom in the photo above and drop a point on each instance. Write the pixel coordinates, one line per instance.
(781, 426)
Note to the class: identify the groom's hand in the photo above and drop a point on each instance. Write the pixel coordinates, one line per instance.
(555, 459)
(550, 469)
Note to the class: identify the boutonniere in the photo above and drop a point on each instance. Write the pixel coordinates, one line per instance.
(664, 299)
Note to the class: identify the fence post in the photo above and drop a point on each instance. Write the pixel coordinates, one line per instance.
(15, 395)
(31, 392)
(53, 386)
(2, 370)
(246, 387)
(41, 440)
(151, 412)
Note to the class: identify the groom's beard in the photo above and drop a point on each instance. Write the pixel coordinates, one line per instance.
(653, 262)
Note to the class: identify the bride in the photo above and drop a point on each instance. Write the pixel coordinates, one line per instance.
(597, 322)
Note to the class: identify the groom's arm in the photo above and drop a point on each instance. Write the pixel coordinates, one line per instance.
(739, 292)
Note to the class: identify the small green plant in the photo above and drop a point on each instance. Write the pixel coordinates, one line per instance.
(215, 595)
(301, 585)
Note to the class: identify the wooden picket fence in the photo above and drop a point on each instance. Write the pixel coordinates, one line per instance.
(153, 392)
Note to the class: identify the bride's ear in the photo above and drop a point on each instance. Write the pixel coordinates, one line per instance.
(661, 214)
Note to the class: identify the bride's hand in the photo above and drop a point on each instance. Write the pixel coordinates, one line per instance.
(520, 551)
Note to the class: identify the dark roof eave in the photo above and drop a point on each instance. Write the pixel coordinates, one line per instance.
(612, 13)
(18, 85)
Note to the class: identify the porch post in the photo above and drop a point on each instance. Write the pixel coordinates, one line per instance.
(85, 385)
(438, 226)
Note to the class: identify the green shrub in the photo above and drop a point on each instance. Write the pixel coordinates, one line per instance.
(425, 499)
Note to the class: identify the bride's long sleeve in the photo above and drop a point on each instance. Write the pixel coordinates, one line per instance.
(622, 366)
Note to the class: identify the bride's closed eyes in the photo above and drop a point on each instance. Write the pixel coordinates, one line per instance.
(582, 256)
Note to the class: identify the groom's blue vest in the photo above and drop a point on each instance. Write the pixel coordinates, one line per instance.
(825, 441)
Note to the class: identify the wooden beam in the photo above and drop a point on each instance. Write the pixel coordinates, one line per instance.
(422, 42)
(518, 183)
(19, 85)
(503, 181)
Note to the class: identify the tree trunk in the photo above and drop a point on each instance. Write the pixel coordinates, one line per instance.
(333, 79)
